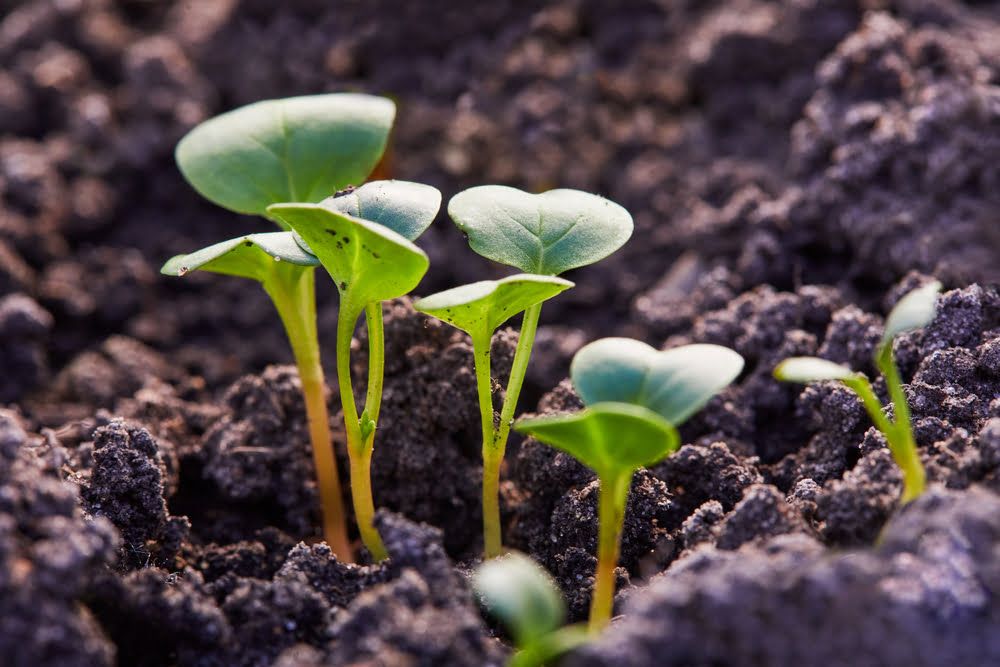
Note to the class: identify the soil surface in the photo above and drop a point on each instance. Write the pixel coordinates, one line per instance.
(793, 169)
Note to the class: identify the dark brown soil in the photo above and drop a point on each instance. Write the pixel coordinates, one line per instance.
(793, 168)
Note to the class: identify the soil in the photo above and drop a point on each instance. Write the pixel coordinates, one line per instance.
(793, 169)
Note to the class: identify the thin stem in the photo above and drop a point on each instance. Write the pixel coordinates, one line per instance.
(525, 341)
(376, 360)
(359, 449)
(610, 516)
(901, 441)
(292, 290)
(492, 542)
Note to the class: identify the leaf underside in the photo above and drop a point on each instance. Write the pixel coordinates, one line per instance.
(479, 308)
(404, 207)
(298, 149)
(368, 262)
(913, 311)
(547, 233)
(811, 369)
(250, 256)
(610, 438)
(674, 383)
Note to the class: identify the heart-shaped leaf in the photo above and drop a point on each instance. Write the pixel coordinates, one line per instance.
(367, 261)
(250, 256)
(299, 149)
(610, 438)
(547, 233)
(404, 207)
(913, 311)
(479, 308)
(519, 592)
(675, 383)
(811, 369)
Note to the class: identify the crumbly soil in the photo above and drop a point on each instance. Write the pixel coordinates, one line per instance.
(793, 169)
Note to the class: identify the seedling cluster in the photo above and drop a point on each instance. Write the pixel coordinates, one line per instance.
(296, 162)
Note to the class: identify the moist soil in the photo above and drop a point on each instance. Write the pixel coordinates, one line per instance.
(793, 169)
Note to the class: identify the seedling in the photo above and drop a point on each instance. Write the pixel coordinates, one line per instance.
(296, 149)
(364, 241)
(635, 398)
(528, 602)
(543, 235)
(913, 311)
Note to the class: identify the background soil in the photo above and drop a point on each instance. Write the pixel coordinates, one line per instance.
(792, 167)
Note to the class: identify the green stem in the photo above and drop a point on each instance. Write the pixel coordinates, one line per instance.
(610, 517)
(292, 289)
(546, 649)
(492, 456)
(359, 448)
(901, 441)
(376, 361)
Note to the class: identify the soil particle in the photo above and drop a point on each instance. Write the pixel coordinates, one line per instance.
(695, 474)
(24, 328)
(925, 593)
(760, 515)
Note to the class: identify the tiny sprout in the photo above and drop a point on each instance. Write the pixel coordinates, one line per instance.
(286, 150)
(635, 398)
(914, 311)
(528, 602)
(543, 235)
(364, 240)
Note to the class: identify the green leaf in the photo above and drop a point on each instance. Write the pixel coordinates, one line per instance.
(298, 149)
(250, 256)
(522, 595)
(547, 233)
(479, 308)
(404, 207)
(368, 262)
(675, 383)
(811, 369)
(610, 438)
(913, 311)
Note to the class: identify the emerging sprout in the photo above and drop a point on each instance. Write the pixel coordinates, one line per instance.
(296, 149)
(915, 310)
(364, 241)
(543, 235)
(527, 601)
(635, 397)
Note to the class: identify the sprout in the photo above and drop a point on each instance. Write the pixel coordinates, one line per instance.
(635, 397)
(914, 311)
(364, 241)
(543, 235)
(527, 601)
(296, 149)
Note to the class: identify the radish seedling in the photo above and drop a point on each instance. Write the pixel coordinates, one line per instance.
(543, 235)
(914, 311)
(364, 241)
(296, 149)
(527, 601)
(635, 397)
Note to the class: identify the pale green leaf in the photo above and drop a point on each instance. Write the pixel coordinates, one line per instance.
(404, 207)
(479, 308)
(248, 256)
(519, 592)
(674, 383)
(298, 149)
(547, 233)
(368, 262)
(811, 369)
(913, 311)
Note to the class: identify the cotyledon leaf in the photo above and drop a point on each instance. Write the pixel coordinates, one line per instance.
(405, 207)
(367, 261)
(250, 256)
(297, 149)
(522, 594)
(610, 438)
(674, 383)
(547, 233)
(913, 311)
(811, 369)
(479, 308)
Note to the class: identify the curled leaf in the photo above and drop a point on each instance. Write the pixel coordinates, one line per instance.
(250, 256)
(404, 207)
(913, 311)
(811, 369)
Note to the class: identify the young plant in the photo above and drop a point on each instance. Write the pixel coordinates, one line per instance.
(635, 396)
(528, 602)
(296, 149)
(543, 235)
(364, 241)
(913, 311)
